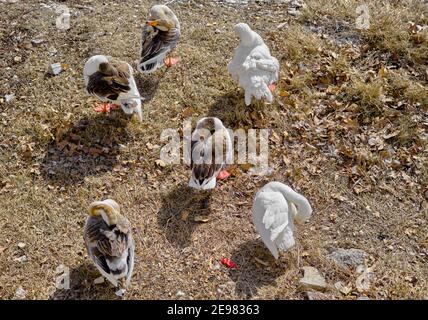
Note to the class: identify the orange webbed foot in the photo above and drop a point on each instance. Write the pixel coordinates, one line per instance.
(169, 62)
(105, 107)
(272, 87)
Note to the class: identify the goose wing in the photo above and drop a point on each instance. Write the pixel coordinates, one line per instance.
(155, 45)
(109, 249)
(110, 83)
(273, 222)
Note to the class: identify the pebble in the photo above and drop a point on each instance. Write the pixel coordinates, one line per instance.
(215, 266)
(22, 258)
(17, 59)
(312, 279)
(21, 245)
(55, 69)
(180, 293)
(37, 42)
(350, 258)
(20, 293)
(9, 97)
(99, 280)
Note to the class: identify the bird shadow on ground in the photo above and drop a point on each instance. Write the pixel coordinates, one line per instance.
(231, 109)
(82, 286)
(250, 274)
(85, 148)
(179, 208)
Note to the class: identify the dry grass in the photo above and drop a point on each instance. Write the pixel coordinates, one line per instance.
(335, 119)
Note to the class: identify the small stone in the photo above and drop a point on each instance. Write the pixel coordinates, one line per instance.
(312, 279)
(215, 266)
(55, 69)
(17, 59)
(180, 293)
(21, 259)
(37, 42)
(282, 25)
(20, 293)
(363, 298)
(9, 97)
(99, 280)
(350, 258)
(21, 245)
(293, 12)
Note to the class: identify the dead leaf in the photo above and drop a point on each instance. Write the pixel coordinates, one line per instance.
(246, 166)
(382, 72)
(184, 215)
(187, 112)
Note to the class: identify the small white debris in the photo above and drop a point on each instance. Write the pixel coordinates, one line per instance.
(37, 42)
(17, 59)
(363, 282)
(99, 280)
(9, 97)
(180, 293)
(20, 293)
(120, 292)
(215, 266)
(282, 25)
(55, 69)
(312, 279)
(363, 298)
(21, 259)
(21, 245)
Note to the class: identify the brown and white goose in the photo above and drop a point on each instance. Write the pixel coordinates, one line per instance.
(211, 152)
(109, 242)
(160, 36)
(112, 80)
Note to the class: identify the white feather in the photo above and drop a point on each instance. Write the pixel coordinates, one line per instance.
(274, 212)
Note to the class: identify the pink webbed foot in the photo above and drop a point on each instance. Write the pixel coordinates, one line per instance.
(272, 87)
(105, 107)
(224, 174)
(169, 62)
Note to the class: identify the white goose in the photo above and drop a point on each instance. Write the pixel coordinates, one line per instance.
(274, 212)
(252, 66)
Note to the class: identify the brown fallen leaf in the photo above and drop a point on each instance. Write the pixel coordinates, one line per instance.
(187, 112)
(184, 215)
(382, 72)
(246, 166)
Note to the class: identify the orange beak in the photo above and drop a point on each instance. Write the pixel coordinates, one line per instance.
(152, 23)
